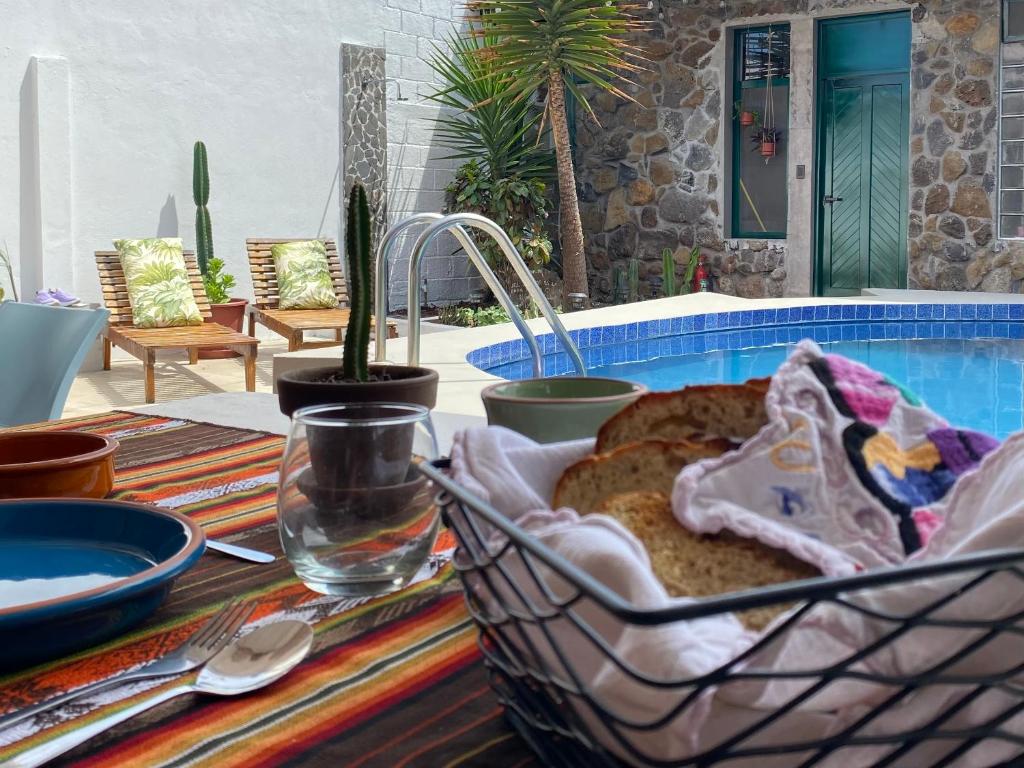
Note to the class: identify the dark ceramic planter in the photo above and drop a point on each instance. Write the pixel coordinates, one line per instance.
(230, 315)
(407, 384)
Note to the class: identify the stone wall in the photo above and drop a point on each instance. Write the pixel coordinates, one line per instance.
(652, 172)
(953, 149)
(364, 129)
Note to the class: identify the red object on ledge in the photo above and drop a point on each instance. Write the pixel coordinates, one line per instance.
(701, 276)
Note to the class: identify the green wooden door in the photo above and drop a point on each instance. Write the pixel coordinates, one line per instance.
(863, 170)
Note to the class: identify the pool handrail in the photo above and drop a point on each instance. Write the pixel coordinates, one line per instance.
(384, 249)
(453, 223)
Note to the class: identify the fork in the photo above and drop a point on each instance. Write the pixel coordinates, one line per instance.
(197, 650)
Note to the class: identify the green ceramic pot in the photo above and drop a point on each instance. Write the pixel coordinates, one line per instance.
(560, 408)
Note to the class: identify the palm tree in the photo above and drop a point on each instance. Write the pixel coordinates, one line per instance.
(483, 122)
(560, 44)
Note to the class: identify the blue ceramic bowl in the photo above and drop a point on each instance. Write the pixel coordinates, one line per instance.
(76, 572)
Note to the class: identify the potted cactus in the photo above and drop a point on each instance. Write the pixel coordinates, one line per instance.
(355, 380)
(224, 309)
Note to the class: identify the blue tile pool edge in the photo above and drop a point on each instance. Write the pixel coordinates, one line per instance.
(718, 330)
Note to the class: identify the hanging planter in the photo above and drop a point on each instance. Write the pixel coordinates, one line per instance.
(766, 141)
(767, 137)
(745, 117)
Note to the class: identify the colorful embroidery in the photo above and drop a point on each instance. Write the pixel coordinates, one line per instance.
(902, 478)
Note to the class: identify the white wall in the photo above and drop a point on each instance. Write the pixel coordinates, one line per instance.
(96, 135)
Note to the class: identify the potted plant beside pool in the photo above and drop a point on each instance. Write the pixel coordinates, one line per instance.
(355, 381)
(224, 309)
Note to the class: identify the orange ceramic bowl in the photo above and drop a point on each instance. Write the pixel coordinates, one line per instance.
(66, 464)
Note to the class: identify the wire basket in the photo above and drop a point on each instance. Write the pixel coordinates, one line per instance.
(543, 625)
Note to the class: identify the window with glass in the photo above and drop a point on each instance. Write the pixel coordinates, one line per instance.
(760, 131)
(1011, 148)
(1013, 20)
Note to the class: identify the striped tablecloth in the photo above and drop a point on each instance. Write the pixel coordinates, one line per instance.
(396, 681)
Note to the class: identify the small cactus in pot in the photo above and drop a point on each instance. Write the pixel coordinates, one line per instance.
(356, 380)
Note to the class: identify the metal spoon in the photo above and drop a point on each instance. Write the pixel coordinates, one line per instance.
(247, 664)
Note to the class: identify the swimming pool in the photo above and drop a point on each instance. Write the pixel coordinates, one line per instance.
(966, 361)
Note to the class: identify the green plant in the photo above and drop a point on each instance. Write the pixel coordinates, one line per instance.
(355, 354)
(761, 135)
(634, 280)
(483, 122)
(217, 282)
(474, 317)
(560, 44)
(668, 273)
(201, 196)
(517, 204)
(738, 110)
(691, 267)
(620, 291)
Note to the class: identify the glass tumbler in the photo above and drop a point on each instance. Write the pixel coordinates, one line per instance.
(355, 517)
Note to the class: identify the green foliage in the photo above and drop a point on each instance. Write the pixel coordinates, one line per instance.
(634, 280)
(668, 273)
(474, 317)
(201, 196)
(580, 41)
(620, 291)
(217, 282)
(483, 122)
(517, 204)
(691, 267)
(355, 362)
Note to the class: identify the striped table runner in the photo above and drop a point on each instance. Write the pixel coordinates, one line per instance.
(395, 681)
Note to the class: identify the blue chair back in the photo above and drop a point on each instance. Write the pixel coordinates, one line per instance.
(41, 350)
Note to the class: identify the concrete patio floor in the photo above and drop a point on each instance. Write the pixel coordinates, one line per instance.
(122, 385)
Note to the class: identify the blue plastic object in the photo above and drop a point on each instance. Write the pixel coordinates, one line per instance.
(41, 350)
(74, 573)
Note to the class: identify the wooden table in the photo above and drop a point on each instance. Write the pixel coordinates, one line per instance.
(395, 681)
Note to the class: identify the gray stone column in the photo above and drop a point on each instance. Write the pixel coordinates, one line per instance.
(364, 131)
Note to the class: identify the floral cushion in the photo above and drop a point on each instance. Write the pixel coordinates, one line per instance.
(303, 275)
(158, 285)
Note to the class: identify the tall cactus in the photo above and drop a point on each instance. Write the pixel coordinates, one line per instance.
(355, 364)
(668, 273)
(201, 196)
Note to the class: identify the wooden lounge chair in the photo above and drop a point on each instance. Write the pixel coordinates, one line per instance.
(292, 323)
(143, 343)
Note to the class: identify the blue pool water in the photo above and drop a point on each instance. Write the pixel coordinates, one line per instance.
(975, 383)
(966, 361)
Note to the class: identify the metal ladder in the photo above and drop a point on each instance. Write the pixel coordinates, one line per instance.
(454, 223)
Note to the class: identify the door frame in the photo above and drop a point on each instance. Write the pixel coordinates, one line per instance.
(817, 233)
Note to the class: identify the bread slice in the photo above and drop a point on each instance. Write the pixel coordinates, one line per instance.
(717, 410)
(695, 565)
(651, 465)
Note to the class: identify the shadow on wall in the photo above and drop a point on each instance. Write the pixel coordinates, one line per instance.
(28, 259)
(167, 225)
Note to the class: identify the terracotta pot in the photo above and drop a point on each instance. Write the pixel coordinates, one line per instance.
(230, 315)
(56, 464)
(767, 149)
(405, 384)
(746, 119)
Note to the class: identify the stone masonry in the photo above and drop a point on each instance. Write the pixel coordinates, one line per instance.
(652, 172)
